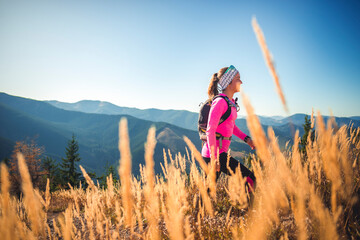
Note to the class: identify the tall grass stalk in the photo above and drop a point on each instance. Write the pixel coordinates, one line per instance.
(255, 128)
(151, 210)
(125, 173)
(31, 201)
(47, 194)
(176, 203)
(66, 224)
(269, 60)
(88, 179)
(197, 155)
(8, 216)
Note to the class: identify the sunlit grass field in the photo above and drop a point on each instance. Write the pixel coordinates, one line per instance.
(296, 196)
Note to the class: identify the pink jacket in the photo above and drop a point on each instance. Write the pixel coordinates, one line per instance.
(226, 129)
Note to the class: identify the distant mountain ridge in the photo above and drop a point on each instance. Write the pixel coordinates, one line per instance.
(284, 127)
(182, 118)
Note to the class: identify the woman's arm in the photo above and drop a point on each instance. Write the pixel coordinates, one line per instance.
(240, 134)
(218, 108)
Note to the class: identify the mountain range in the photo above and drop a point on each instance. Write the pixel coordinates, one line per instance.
(95, 125)
(284, 127)
(181, 118)
(185, 119)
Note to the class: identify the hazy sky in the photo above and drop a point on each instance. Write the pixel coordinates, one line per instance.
(161, 54)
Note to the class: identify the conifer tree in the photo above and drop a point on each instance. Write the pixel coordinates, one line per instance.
(304, 138)
(51, 169)
(69, 168)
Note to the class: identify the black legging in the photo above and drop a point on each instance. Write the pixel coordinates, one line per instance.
(233, 164)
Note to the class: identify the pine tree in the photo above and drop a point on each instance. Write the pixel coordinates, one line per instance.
(304, 138)
(51, 169)
(69, 168)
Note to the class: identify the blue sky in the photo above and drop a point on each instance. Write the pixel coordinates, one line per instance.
(161, 54)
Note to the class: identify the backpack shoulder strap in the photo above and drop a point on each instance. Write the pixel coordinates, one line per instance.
(227, 114)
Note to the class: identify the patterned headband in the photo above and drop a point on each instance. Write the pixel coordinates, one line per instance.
(227, 77)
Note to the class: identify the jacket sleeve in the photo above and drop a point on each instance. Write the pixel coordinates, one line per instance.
(240, 134)
(218, 108)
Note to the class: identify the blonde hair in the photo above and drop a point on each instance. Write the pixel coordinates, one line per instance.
(213, 86)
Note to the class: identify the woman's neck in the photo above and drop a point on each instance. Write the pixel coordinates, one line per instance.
(228, 93)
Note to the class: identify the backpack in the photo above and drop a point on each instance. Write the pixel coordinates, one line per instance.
(204, 115)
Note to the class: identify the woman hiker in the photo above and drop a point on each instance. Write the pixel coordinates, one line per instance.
(219, 133)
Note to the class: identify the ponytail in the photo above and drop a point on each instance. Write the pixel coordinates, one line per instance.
(213, 89)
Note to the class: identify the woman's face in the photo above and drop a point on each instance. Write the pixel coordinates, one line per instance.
(235, 83)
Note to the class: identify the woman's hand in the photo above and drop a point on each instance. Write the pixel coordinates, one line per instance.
(250, 143)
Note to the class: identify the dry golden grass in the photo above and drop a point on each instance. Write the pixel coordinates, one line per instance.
(295, 197)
